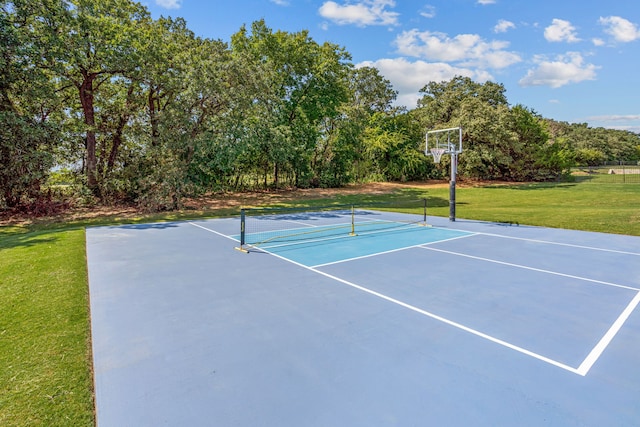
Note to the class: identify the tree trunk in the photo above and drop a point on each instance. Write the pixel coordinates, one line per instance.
(153, 117)
(122, 122)
(275, 175)
(86, 99)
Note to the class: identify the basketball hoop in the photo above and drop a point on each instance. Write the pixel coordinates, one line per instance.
(437, 154)
(446, 141)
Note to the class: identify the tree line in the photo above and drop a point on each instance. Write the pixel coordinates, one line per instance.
(133, 109)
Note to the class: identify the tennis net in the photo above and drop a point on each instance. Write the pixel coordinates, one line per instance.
(280, 226)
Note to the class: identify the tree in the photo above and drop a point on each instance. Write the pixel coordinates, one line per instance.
(340, 154)
(88, 45)
(391, 152)
(595, 145)
(442, 101)
(307, 86)
(196, 97)
(27, 100)
(500, 142)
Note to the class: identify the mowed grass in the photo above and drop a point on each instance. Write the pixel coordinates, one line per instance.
(608, 208)
(45, 356)
(45, 347)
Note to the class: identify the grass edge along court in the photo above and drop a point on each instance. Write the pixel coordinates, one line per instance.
(44, 318)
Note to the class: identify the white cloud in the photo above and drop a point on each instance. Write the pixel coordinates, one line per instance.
(363, 13)
(503, 26)
(428, 11)
(621, 29)
(485, 2)
(629, 122)
(565, 69)
(281, 2)
(561, 31)
(597, 42)
(470, 50)
(409, 77)
(616, 118)
(630, 128)
(169, 4)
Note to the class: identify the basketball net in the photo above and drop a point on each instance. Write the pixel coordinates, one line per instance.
(437, 154)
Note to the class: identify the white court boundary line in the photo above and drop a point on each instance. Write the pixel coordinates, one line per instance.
(571, 245)
(606, 339)
(212, 231)
(585, 365)
(443, 319)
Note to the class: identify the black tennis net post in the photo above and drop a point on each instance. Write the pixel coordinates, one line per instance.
(424, 213)
(242, 231)
(353, 221)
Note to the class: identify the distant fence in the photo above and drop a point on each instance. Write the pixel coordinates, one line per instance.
(614, 173)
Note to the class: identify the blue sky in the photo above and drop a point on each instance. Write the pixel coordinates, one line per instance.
(569, 60)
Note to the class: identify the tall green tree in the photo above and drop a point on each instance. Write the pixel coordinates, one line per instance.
(27, 100)
(308, 85)
(89, 44)
(391, 151)
(500, 142)
(340, 154)
(595, 146)
(442, 101)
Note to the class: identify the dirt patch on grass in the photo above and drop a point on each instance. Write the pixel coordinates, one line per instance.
(237, 200)
(221, 201)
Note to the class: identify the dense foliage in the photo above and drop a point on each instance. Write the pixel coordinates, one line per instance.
(141, 110)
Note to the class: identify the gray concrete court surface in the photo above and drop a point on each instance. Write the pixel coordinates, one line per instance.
(499, 326)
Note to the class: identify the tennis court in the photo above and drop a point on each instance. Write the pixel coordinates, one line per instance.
(397, 321)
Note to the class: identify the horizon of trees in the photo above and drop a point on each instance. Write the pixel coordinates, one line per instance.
(141, 110)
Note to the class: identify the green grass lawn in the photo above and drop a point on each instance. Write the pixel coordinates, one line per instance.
(45, 356)
(608, 208)
(45, 349)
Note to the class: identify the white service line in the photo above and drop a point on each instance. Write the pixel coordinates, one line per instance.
(452, 323)
(585, 279)
(436, 317)
(366, 256)
(571, 245)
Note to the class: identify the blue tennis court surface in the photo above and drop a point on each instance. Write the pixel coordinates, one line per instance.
(457, 324)
(317, 249)
(332, 251)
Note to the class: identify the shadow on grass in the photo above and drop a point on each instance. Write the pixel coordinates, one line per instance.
(531, 186)
(25, 240)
